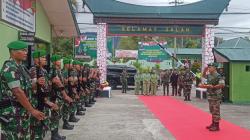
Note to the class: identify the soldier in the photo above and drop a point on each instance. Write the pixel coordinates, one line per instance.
(123, 79)
(58, 94)
(188, 78)
(85, 84)
(180, 81)
(42, 92)
(214, 85)
(146, 82)
(17, 95)
(174, 80)
(137, 79)
(154, 82)
(92, 84)
(165, 81)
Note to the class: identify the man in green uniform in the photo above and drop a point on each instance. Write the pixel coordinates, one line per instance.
(124, 80)
(181, 81)
(154, 82)
(85, 84)
(188, 78)
(214, 85)
(17, 95)
(146, 82)
(165, 81)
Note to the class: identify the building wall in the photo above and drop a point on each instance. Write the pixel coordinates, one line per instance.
(239, 82)
(43, 27)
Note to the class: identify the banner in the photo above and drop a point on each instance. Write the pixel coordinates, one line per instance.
(152, 54)
(126, 54)
(86, 46)
(20, 13)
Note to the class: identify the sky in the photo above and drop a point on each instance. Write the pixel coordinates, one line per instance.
(231, 23)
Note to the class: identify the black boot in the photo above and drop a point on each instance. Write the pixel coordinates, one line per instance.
(56, 136)
(93, 100)
(80, 113)
(87, 104)
(215, 127)
(90, 102)
(189, 98)
(67, 126)
(211, 125)
(72, 118)
(185, 98)
(80, 108)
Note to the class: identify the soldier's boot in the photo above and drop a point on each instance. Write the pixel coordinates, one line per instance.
(91, 102)
(87, 104)
(185, 98)
(72, 118)
(56, 136)
(211, 125)
(189, 97)
(67, 126)
(81, 108)
(215, 127)
(80, 113)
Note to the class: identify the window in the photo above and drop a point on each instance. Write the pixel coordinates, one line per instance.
(248, 68)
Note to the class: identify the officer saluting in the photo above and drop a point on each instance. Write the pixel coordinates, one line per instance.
(18, 94)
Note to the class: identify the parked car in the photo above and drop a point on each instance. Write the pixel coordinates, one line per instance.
(114, 73)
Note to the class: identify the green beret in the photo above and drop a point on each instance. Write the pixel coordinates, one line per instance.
(75, 62)
(86, 65)
(17, 45)
(213, 64)
(66, 61)
(40, 53)
(55, 58)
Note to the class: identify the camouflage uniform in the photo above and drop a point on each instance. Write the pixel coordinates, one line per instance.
(14, 75)
(85, 74)
(124, 81)
(137, 79)
(165, 82)
(187, 84)
(214, 97)
(153, 83)
(180, 82)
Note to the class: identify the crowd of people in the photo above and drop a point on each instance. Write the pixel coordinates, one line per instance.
(34, 101)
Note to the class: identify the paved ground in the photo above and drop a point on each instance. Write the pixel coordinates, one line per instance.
(124, 117)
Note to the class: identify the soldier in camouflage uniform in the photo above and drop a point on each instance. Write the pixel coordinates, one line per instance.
(124, 80)
(57, 95)
(153, 82)
(137, 79)
(85, 84)
(214, 85)
(188, 78)
(146, 83)
(17, 95)
(42, 94)
(165, 82)
(92, 84)
(181, 81)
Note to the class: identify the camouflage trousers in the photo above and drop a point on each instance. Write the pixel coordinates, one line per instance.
(56, 115)
(146, 86)
(124, 86)
(17, 129)
(165, 85)
(180, 89)
(153, 88)
(214, 108)
(187, 90)
(137, 87)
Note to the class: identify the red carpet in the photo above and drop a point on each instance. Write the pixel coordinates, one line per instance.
(186, 122)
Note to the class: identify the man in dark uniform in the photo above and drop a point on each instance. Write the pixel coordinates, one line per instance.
(214, 85)
(124, 80)
(17, 85)
(174, 80)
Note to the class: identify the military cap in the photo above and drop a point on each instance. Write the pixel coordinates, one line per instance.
(86, 65)
(66, 61)
(39, 53)
(55, 57)
(17, 45)
(213, 64)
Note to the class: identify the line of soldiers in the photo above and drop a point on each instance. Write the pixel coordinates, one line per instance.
(146, 82)
(33, 101)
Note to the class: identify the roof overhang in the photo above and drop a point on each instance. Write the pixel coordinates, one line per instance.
(220, 58)
(61, 17)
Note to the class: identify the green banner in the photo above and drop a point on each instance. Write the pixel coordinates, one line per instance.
(87, 47)
(152, 54)
(184, 30)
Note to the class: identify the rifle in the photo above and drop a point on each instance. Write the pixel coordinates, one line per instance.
(55, 89)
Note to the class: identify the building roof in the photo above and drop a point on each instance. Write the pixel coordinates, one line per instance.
(202, 10)
(234, 54)
(235, 43)
(186, 51)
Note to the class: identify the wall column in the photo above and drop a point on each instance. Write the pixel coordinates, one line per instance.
(207, 46)
(102, 50)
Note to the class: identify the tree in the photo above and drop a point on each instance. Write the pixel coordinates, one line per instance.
(63, 46)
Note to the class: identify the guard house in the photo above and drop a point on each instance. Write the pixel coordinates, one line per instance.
(234, 54)
(115, 18)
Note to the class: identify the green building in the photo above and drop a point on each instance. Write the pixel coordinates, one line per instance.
(234, 54)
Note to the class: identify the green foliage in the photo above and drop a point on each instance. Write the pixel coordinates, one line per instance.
(195, 66)
(63, 46)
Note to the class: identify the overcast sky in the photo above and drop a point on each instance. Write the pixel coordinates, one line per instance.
(226, 20)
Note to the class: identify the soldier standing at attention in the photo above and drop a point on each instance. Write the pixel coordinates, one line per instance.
(154, 82)
(146, 82)
(214, 85)
(165, 81)
(174, 80)
(17, 87)
(188, 78)
(124, 80)
(180, 81)
(137, 79)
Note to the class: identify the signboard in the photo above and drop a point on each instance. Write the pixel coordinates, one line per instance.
(86, 46)
(183, 30)
(152, 54)
(20, 13)
(126, 53)
(28, 37)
